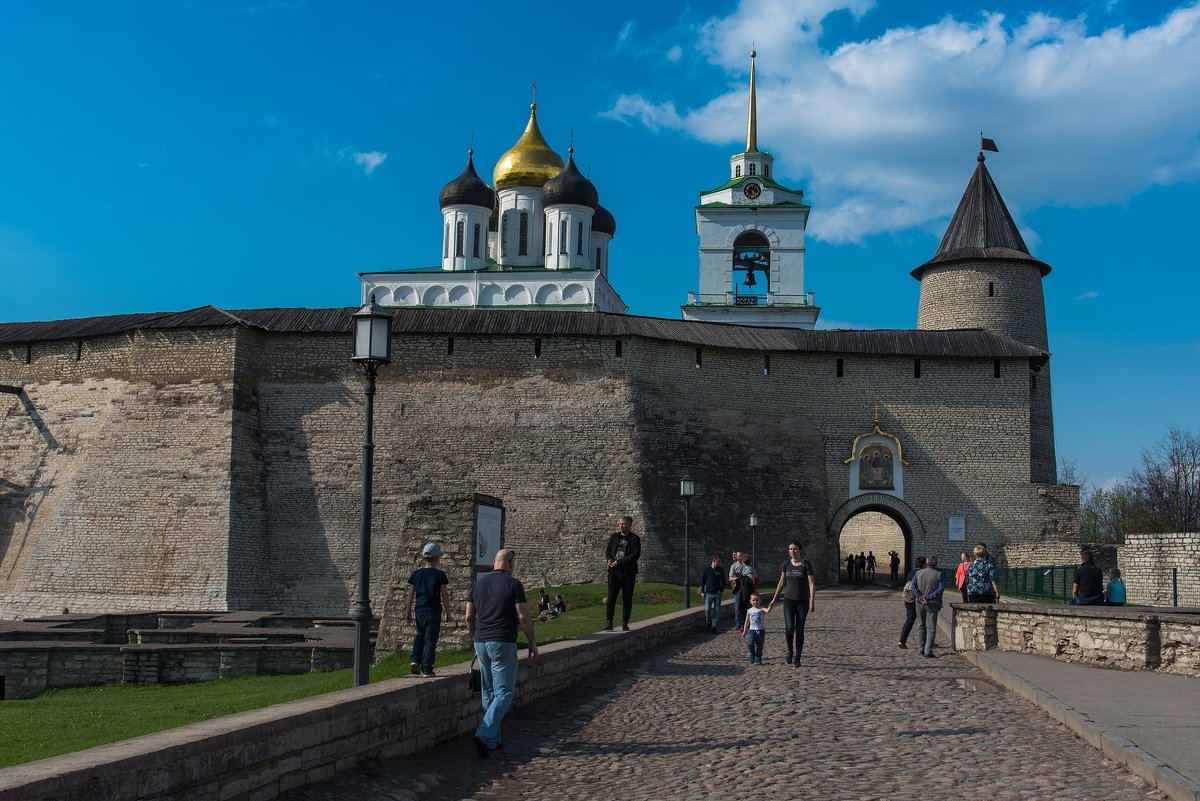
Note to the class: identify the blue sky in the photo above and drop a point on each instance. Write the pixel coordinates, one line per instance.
(162, 156)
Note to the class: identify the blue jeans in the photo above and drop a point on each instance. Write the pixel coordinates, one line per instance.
(794, 615)
(910, 611)
(498, 671)
(738, 612)
(929, 616)
(428, 627)
(754, 644)
(712, 609)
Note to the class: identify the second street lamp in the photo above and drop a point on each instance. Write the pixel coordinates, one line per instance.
(372, 347)
(687, 488)
(753, 532)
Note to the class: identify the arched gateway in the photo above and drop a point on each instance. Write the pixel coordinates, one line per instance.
(905, 517)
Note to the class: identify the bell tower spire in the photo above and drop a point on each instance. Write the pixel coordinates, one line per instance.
(752, 117)
(752, 242)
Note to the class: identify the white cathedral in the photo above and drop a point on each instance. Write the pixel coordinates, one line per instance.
(540, 239)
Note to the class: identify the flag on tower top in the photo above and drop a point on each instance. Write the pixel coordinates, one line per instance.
(988, 144)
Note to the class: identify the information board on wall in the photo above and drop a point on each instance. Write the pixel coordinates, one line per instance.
(958, 529)
(489, 530)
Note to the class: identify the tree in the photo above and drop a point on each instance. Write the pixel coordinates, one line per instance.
(1161, 496)
(1167, 486)
(1107, 515)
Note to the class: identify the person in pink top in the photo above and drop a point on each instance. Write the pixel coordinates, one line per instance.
(960, 575)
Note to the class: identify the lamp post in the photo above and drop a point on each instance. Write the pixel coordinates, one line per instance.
(372, 347)
(687, 488)
(753, 531)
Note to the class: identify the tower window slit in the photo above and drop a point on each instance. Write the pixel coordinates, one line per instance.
(699, 355)
(449, 346)
(991, 289)
(916, 368)
(996, 368)
(537, 348)
(840, 368)
(766, 364)
(620, 349)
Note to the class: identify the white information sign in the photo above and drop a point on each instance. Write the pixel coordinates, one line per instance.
(489, 530)
(958, 529)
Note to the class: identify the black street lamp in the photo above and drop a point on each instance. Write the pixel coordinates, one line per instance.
(753, 532)
(687, 488)
(372, 347)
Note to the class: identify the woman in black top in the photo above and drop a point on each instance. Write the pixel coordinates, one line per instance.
(799, 596)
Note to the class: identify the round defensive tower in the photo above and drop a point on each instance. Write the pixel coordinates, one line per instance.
(983, 276)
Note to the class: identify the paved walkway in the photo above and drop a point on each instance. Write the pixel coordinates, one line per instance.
(860, 720)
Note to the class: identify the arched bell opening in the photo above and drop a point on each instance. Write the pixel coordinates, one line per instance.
(751, 268)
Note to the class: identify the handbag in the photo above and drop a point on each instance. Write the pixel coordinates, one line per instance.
(475, 680)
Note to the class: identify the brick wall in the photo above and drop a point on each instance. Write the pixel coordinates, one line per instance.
(221, 468)
(1147, 560)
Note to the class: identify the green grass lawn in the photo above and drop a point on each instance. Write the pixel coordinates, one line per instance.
(62, 721)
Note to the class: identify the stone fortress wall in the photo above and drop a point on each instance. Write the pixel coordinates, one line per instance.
(219, 468)
(1161, 569)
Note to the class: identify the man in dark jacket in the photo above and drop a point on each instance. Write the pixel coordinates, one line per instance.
(624, 548)
(1088, 588)
(712, 584)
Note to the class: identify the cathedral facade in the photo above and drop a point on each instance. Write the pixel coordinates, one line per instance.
(209, 459)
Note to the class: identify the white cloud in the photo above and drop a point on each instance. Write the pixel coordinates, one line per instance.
(1111, 484)
(1091, 294)
(653, 116)
(674, 54)
(882, 132)
(370, 160)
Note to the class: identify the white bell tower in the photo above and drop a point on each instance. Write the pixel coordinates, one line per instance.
(752, 244)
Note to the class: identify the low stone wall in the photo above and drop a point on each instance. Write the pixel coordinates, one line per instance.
(258, 755)
(32, 668)
(1125, 638)
(1147, 560)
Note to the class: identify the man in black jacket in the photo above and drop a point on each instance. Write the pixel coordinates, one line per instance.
(624, 548)
(1089, 581)
(712, 584)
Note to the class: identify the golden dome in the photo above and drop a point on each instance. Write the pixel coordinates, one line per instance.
(530, 162)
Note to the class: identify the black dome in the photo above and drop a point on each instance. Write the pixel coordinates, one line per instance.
(569, 186)
(603, 222)
(467, 189)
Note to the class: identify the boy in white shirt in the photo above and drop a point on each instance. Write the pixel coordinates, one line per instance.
(755, 629)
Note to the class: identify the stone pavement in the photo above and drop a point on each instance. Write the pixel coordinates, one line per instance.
(860, 720)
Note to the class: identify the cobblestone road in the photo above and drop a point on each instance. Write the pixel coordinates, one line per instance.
(861, 719)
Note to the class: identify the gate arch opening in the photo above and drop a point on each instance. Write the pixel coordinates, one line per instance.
(878, 523)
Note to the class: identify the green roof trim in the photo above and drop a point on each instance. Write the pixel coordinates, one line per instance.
(785, 205)
(761, 179)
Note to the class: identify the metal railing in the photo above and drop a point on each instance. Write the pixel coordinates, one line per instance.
(1052, 583)
(748, 299)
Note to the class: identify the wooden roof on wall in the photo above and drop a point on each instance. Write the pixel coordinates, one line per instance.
(961, 343)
